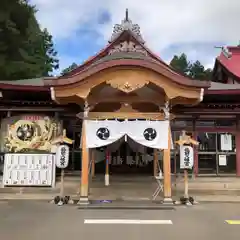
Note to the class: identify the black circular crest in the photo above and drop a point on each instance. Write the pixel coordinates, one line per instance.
(103, 133)
(25, 133)
(150, 134)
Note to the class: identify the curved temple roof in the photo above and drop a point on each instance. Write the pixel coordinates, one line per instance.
(230, 59)
(126, 48)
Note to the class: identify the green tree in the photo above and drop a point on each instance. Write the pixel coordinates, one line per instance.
(25, 50)
(181, 64)
(50, 55)
(193, 70)
(197, 71)
(70, 68)
(208, 74)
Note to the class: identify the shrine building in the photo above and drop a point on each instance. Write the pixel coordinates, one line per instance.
(126, 81)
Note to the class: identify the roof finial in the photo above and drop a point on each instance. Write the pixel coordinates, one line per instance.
(126, 15)
(126, 25)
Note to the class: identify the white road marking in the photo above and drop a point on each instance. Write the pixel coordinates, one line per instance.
(125, 221)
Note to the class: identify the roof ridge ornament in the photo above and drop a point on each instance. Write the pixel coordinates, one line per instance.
(225, 51)
(125, 25)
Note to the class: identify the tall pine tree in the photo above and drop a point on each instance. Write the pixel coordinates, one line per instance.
(181, 64)
(25, 50)
(193, 70)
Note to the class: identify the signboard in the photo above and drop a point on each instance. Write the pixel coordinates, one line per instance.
(32, 117)
(222, 160)
(226, 142)
(186, 157)
(62, 156)
(29, 170)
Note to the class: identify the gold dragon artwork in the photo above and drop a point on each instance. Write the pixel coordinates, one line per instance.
(40, 135)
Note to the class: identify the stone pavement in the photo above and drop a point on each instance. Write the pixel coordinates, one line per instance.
(36, 220)
(132, 188)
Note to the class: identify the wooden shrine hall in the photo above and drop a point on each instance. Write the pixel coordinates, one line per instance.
(125, 81)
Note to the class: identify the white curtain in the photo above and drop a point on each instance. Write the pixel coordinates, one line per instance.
(102, 133)
(153, 134)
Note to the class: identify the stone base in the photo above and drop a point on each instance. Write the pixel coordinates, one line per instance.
(168, 201)
(83, 201)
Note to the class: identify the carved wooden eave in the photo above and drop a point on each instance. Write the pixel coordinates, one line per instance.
(128, 76)
(126, 86)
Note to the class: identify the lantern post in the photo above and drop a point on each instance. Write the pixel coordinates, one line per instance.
(186, 160)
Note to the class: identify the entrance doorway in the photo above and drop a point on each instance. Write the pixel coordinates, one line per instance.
(124, 160)
(127, 161)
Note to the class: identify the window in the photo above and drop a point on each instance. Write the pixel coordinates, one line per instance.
(207, 164)
(212, 157)
(207, 142)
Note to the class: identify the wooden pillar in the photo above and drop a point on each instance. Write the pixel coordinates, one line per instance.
(84, 175)
(195, 153)
(195, 150)
(155, 162)
(93, 162)
(107, 168)
(167, 171)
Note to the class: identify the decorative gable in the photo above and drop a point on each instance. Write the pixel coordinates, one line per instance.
(126, 47)
(126, 25)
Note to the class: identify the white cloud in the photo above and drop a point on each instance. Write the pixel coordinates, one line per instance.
(163, 22)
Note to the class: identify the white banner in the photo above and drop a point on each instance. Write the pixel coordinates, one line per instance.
(102, 133)
(186, 157)
(153, 134)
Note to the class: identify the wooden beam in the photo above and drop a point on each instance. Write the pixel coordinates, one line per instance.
(124, 115)
(156, 99)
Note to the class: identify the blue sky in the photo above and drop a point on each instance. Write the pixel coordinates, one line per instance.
(81, 28)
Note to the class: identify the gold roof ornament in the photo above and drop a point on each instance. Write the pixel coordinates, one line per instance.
(185, 139)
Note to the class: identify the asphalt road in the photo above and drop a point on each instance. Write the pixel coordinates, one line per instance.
(40, 220)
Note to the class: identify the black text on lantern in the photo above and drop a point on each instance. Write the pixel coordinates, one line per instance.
(186, 157)
(63, 156)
